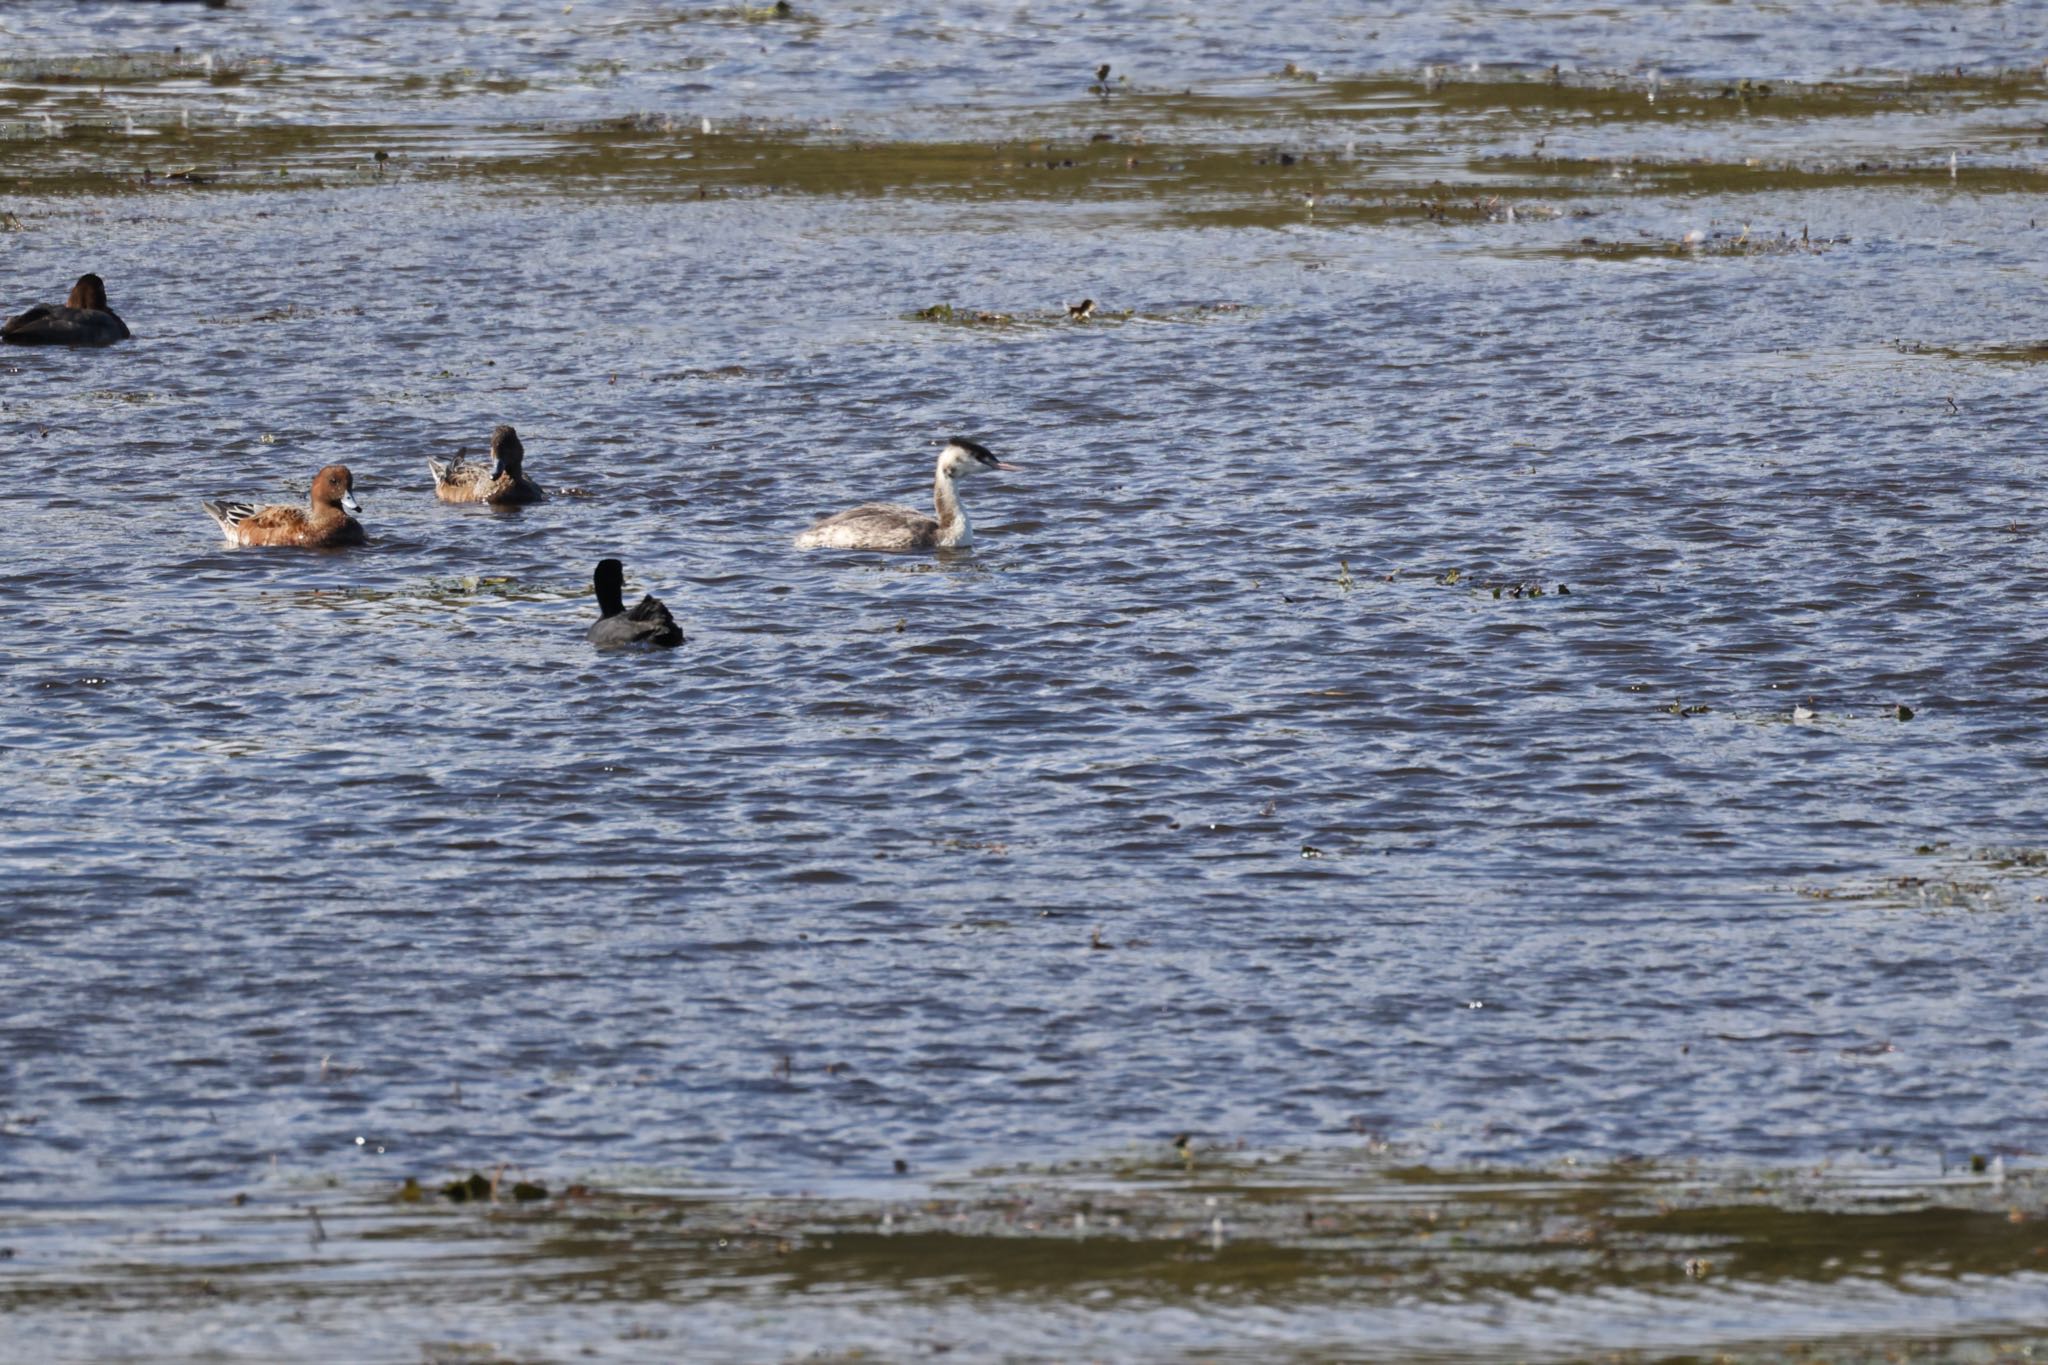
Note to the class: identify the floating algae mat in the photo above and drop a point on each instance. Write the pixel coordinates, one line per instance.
(1363, 150)
(1363, 1257)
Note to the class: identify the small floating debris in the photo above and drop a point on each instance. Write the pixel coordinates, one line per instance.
(951, 315)
(1699, 242)
(2025, 352)
(464, 1191)
(475, 1188)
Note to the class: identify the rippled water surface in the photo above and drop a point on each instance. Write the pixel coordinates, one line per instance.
(1365, 725)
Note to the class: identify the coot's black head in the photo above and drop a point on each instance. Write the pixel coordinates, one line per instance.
(610, 582)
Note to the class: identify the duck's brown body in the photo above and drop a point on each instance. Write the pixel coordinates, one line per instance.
(502, 482)
(324, 522)
(83, 319)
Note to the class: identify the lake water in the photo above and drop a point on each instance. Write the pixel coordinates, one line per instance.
(1292, 763)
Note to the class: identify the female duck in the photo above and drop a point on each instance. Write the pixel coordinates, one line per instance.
(499, 483)
(887, 526)
(325, 522)
(648, 623)
(83, 319)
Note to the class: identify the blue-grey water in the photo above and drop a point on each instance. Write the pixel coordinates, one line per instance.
(1237, 783)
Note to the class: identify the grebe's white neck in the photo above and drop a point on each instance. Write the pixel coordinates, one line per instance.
(955, 529)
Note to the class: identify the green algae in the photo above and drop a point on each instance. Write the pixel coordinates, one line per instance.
(1182, 1227)
(1194, 185)
(2016, 353)
(2000, 880)
(1719, 244)
(436, 595)
(946, 314)
(1270, 152)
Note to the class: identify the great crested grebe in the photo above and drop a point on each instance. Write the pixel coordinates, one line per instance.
(647, 623)
(888, 526)
(499, 483)
(83, 319)
(326, 521)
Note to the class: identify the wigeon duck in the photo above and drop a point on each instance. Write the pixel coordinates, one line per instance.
(83, 319)
(886, 526)
(648, 623)
(499, 483)
(327, 522)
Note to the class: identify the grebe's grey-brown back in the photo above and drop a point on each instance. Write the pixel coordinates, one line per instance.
(890, 526)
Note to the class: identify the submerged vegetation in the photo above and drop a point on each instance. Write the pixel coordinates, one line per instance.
(1071, 316)
(2001, 879)
(1342, 1242)
(1505, 148)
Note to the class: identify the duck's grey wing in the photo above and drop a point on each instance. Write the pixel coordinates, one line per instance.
(458, 471)
(229, 514)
